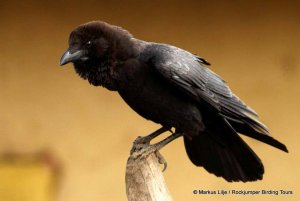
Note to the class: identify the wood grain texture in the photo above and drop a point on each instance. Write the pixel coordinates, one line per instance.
(144, 178)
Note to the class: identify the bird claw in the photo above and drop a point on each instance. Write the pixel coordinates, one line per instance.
(161, 160)
(142, 148)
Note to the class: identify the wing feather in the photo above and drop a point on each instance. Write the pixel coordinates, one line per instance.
(190, 73)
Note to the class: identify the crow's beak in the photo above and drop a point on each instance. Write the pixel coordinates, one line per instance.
(68, 57)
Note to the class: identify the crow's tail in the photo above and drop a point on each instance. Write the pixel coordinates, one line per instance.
(222, 152)
(254, 129)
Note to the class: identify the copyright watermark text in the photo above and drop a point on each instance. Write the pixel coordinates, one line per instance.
(242, 192)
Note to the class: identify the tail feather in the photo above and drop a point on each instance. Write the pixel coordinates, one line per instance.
(222, 152)
(248, 130)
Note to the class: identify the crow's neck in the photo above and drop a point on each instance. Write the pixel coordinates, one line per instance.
(98, 72)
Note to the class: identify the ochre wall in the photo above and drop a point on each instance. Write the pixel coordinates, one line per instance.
(253, 45)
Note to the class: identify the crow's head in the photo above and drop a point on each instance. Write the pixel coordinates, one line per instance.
(96, 46)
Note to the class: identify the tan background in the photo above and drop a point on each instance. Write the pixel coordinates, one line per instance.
(254, 45)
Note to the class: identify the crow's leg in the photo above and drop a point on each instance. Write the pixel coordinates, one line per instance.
(142, 147)
(141, 142)
(161, 144)
(153, 135)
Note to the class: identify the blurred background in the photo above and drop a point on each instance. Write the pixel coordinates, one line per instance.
(63, 139)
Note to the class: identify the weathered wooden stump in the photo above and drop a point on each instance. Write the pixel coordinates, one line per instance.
(144, 177)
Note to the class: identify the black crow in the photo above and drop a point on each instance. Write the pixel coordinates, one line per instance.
(176, 89)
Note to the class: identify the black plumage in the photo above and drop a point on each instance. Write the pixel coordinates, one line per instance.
(174, 88)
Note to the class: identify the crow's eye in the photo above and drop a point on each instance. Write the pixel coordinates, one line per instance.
(89, 44)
